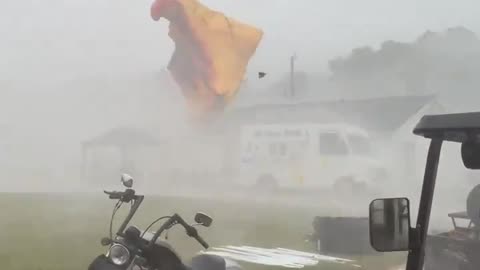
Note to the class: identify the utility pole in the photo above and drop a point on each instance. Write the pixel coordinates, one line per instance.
(292, 75)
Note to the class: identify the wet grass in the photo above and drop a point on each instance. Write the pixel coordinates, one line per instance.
(49, 232)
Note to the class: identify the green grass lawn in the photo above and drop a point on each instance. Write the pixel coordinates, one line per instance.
(49, 232)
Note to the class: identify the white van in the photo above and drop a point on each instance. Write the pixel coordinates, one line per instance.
(307, 155)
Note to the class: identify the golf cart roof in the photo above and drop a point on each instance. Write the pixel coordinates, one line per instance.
(449, 127)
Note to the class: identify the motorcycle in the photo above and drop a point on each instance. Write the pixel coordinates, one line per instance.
(133, 249)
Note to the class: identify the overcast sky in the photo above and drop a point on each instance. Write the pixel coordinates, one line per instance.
(59, 39)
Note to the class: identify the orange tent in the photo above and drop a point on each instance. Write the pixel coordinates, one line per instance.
(211, 52)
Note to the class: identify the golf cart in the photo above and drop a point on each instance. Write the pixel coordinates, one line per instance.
(389, 219)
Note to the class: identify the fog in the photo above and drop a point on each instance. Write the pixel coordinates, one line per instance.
(73, 70)
(95, 37)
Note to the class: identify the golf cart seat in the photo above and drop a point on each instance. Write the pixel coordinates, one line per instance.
(460, 215)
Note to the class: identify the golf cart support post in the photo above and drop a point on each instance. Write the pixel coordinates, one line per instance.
(462, 128)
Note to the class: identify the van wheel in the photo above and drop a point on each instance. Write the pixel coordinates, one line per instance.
(266, 183)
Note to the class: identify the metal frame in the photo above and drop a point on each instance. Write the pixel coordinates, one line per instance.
(460, 215)
(416, 253)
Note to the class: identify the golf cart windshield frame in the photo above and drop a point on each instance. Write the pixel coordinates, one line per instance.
(448, 127)
(458, 127)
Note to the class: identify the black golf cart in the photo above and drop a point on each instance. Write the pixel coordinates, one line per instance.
(389, 219)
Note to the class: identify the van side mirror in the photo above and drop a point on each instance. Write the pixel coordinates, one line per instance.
(390, 224)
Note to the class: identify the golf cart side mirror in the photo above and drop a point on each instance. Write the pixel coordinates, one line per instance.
(203, 219)
(471, 155)
(390, 224)
(127, 180)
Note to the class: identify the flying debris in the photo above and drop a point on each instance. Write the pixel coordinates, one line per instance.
(211, 52)
(261, 74)
(275, 257)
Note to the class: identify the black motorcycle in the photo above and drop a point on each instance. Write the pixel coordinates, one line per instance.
(133, 249)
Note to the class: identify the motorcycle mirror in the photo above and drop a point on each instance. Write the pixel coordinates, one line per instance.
(203, 219)
(106, 241)
(127, 180)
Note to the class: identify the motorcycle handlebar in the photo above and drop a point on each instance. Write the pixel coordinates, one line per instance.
(190, 230)
(125, 196)
(201, 241)
(114, 194)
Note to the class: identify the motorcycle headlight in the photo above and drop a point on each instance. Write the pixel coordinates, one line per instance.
(118, 254)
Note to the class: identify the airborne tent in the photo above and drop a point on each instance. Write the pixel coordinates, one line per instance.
(211, 53)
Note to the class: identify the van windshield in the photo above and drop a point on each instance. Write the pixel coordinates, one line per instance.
(332, 144)
(360, 144)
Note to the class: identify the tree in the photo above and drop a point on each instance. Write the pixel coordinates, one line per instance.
(452, 55)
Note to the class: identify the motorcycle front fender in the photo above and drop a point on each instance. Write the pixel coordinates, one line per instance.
(102, 263)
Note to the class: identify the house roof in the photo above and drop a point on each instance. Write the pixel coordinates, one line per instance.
(123, 137)
(383, 114)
